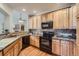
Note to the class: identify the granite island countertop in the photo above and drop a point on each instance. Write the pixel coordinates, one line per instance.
(7, 41)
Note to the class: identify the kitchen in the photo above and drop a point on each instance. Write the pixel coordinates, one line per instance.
(39, 29)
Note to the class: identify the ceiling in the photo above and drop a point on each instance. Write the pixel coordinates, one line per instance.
(38, 7)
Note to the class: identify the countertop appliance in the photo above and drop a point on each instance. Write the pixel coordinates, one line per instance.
(47, 25)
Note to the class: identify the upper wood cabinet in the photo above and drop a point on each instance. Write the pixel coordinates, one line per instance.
(50, 16)
(73, 17)
(35, 22)
(43, 18)
(77, 40)
(77, 5)
(38, 22)
(30, 23)
(61, 19)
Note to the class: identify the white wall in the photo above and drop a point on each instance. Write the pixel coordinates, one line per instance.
(7, 11)
(15, 18)
(2, 18)
(12, 17)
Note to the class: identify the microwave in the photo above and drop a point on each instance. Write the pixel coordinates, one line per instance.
(47, 25)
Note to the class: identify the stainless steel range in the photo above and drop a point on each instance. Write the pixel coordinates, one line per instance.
(46, 41)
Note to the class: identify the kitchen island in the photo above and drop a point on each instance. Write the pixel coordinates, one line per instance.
(10, 46)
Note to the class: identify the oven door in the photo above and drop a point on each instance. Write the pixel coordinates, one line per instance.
(45, 41)
(46, 44)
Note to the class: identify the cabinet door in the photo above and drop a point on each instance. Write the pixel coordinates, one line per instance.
(67, 48)
(44, 18)
(71, 49)
(76, 50)
(50, 16)
(73, 17)
(30, 23)
(9, 53)
(55, 23)
(38, 23)
(37, 42)
(32, 42)
(64, 48)
(0, 53)
(35, 24)
(20, 44)
(16, 49)
(56, 47)
(77, 5)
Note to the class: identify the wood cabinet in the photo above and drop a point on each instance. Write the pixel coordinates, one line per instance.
(0, 53)
(56, 47)
(37, 42)
(67, 48)
(34, 41)
(77, 5)
(31, 40)
(17, 47)
(43, 18)
(38, 22)
(73, 17)
(13, 49)
(35, 22)
(61, 19)
(9, 53)
(63, 47)
(50, 16)
(30, 23)
(77, 40)
(20, 44)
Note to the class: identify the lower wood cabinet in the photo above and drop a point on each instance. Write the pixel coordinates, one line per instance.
(13, 49)
(76, 50)
(56, 47)
(63, 47)
(34, 40)
(0, 53)
(37, 42)
(16, 49)
(9, 53)
(31, 40)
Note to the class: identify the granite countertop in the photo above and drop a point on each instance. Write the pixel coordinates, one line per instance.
(61, 38)
(7, 41)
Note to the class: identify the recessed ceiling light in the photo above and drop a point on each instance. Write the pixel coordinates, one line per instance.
(34, 11)
(23, 9)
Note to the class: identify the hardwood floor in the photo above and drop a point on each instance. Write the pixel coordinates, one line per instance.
(32, 51)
